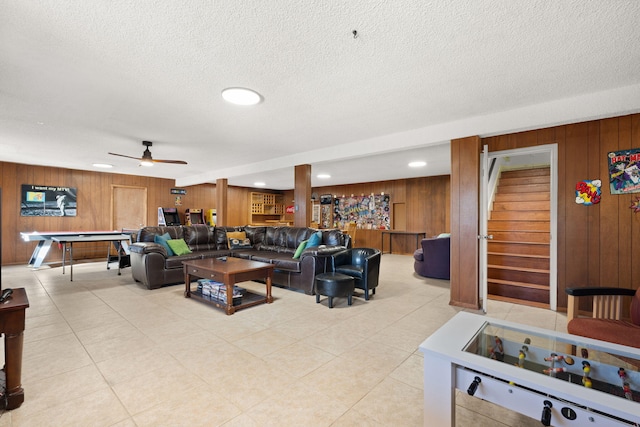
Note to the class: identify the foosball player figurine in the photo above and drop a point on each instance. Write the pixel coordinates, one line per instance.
(521, 357)
(553, 371)
(622, 374)
(626, 389)
(497, 351)
(586, 368)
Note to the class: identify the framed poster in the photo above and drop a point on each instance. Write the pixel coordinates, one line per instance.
(367, 211)
(48, 200)
(624, 171)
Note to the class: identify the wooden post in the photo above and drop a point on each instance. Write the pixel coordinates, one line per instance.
(465, 204)
(302, 196)
(221, 202)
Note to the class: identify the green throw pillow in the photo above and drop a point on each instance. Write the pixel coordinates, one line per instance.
(179, 246)
(163, 241)
(301, 247)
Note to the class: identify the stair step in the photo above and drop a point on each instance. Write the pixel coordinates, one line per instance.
(530, 188)
(523, 293)
(522, 205)
(519, 255)
(524, 269)
(529, 276)
(519, 284)
(532, 248)
(539, 262)
(517, 197)
(521, 215)
(522, 236)
(515, 225)
(543, 170)
(519, 301)
(525, 180)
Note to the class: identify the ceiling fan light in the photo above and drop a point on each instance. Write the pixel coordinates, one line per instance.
(241, 96)
(146, 163)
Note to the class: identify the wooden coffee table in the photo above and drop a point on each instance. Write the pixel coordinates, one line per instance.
(229, 271)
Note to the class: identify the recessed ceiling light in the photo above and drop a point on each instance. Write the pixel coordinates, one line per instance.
(102, 165)
(417, 164)
(323, 176)
(259, 184)
(241, 96)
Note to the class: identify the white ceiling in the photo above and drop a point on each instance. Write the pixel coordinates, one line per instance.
(79, 79)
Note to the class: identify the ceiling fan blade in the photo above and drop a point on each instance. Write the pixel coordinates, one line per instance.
(122, 155)
(176, 162)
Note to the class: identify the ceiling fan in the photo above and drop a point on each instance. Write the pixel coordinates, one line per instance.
(146, 159)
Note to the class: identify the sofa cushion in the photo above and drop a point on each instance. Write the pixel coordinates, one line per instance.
(263, 256)
(175, 262)
(179, 246)
(293, 236)
(147, 234)
(333, 237)
(255, 234)
(200, 237)
(281, 261)
(163, 241)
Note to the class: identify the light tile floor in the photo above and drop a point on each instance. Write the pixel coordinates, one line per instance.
(104, 351)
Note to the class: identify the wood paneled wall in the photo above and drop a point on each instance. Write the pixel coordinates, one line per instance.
(427, 205)
(94, 205)
(597, 244)
(427, 208)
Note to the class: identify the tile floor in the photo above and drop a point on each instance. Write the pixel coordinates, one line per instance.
(104, 351)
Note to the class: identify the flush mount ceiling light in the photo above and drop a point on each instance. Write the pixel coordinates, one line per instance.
(323, 176)
(102, 165)
(241, 96)
(259, 184)
(417, 164)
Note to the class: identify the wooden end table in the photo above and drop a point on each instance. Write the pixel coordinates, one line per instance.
(12, 315)
(229, 271)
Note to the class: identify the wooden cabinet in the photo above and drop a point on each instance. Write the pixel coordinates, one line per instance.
(266, 209)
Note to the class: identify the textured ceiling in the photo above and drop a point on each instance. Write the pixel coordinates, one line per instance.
(79, 79)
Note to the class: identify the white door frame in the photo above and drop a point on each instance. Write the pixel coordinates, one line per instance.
(552, 150)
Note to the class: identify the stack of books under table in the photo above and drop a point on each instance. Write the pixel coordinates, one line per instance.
(218, 291)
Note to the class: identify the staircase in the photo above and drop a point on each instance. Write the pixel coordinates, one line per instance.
(518, 255)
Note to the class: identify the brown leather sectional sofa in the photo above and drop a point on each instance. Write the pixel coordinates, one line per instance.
(151, 265)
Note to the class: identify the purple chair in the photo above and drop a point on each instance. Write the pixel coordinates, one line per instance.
(434, 258)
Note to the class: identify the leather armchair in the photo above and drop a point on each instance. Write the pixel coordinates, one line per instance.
(607, 323)
(363, 264)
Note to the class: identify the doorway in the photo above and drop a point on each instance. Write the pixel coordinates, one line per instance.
(492, 165)
(128, 207)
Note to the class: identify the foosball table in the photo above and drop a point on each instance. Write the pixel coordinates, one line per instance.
(560, 379)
